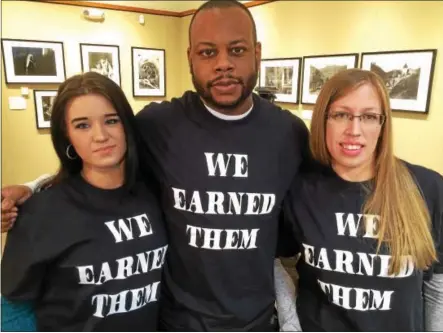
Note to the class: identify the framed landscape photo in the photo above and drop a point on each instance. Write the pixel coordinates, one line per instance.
(32, 61)
(103, 59)
(407, 75)
(43, 101)
(283, 75)
(318, 69)
(148, 72)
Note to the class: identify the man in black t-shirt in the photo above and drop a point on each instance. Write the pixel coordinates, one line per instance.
(224, 159)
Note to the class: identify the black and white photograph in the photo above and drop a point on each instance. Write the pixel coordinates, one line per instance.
(103, 59)
(148, 72)
(43, 101)
(407, 76)
(27, 61)
(282, 75)
(320, 68)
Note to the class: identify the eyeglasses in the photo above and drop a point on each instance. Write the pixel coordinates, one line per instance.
(370, 119)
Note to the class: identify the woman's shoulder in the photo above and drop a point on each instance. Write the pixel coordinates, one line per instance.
(49, 197)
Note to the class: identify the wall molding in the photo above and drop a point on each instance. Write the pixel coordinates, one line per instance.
(137, 9)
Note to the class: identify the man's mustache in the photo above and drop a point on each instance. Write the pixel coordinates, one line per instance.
(225, 77)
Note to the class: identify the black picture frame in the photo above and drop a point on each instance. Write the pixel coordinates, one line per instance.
(154, 72)
(106, 59)
(285, 92)
(408, 76)
(43, 100)
(33, 61)
(317, 69)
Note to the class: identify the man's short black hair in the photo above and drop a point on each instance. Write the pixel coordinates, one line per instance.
(224, 4)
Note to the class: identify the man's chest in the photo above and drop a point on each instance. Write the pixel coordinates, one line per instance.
(236, 164)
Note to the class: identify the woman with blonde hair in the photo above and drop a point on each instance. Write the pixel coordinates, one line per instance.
(368, 225)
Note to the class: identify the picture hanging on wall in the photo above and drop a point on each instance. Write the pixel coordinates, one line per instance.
(43, 101)
(148, 72)
(318, 69)
(283, 75)
(103, 59)
(32, 61)
(407, 76)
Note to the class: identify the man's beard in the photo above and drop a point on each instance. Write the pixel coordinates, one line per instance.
(204, 90)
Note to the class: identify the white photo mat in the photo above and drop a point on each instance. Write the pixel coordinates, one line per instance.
(348, 60)
(8, 61)
(157, 57)
(295, 63)
(86, 49)
(395, 60)
(39, 110)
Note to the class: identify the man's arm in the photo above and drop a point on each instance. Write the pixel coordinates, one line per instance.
(285, 296)
(433, 303)
(15, 195)
(38, 183)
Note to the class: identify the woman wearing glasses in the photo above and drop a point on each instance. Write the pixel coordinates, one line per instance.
(369, 226)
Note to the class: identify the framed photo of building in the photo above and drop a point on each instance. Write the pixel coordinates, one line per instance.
(283, 75)
(43, 101)
(33, 61)
(407, 75)
(148, 72)
(103, 59)
(318, 69)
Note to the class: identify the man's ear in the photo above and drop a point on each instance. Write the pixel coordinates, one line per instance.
(258, 54)
(189, 59)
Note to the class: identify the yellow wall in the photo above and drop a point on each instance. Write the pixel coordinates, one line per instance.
(28, 152)
(302, 28)
(285, 28)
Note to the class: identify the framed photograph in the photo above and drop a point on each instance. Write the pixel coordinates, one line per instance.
(407, 76)
(103, 59)
(33, 61)
(283, 75)
(43, 101)
(148, 72)
(318, 69)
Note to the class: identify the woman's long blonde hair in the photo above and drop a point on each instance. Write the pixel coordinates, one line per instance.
(405, 222)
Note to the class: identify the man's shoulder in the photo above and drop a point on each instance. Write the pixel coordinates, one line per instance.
(166, 109)
(278, 113)
(429, 181)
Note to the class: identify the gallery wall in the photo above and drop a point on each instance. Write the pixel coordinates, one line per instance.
(285, 28)
(303, 28)
(28, 152)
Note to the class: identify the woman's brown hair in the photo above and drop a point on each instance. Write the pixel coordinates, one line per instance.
(404, 224)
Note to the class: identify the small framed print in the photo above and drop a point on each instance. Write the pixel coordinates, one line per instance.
(407, 75)
(318, 69)
(148, 72)
(43, 101)
(103, 59)
(283, 75)
(33, 61)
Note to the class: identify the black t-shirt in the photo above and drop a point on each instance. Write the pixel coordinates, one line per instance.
(90, 259)
(343, 284)
(222, 183)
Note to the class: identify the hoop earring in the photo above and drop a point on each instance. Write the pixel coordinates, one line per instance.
(69, 155)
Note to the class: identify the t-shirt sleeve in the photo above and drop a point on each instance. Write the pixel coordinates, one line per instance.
(152, 137)
(23, 263)
(288, 229)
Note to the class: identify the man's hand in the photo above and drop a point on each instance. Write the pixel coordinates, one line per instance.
(12, 196)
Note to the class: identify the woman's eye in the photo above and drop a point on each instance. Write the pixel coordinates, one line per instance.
(341, 115)
(370, 116)
(112, 121)
(81, 126)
